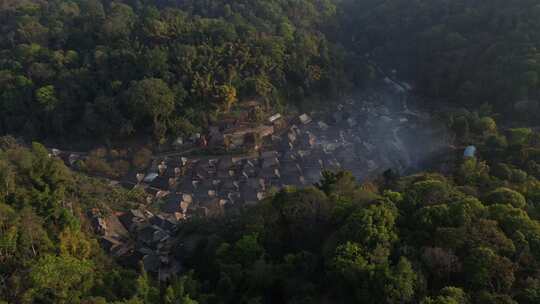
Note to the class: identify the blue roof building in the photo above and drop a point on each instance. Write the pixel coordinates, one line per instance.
(470, 151)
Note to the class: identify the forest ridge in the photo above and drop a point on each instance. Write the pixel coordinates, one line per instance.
(114, 69)
(110, 69)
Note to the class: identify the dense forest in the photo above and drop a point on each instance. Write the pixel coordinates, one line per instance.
(108, 69)
(76, 70)
(465, 52)
(47, 251)
(113, 69)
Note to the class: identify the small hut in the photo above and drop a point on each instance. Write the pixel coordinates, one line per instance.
(469, 152)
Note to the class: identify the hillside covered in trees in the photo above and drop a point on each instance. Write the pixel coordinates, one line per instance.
(108, 69)
(466, 52)
(472, 237)
(75, 70)
(114, 69)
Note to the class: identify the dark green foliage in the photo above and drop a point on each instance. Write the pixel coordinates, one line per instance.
(60, 279)
(519, 136)
(47, 254)
(506, 196)
(105, 69)
(427, 192)
(466, 52)
(472, 237)
(448, 295)
(382, 247)
(487, 270)
(152, 102)
(405, 241)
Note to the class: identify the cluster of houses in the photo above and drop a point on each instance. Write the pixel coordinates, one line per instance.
(139, 236)
(359, 137)
(364, 137)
